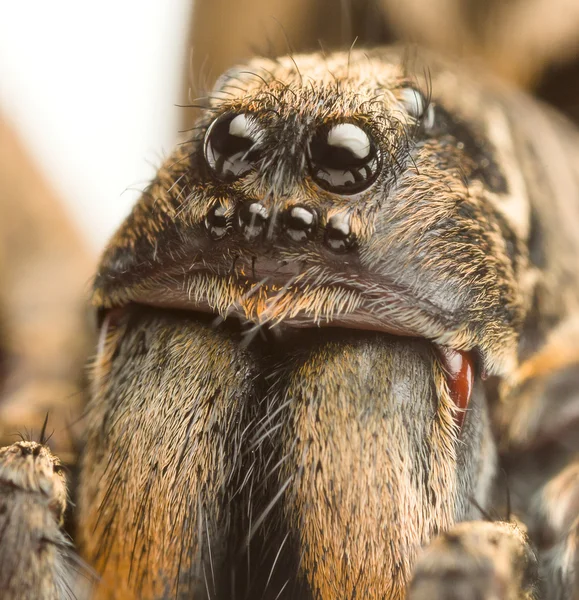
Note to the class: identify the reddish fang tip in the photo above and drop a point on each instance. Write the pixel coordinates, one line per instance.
(459, 369)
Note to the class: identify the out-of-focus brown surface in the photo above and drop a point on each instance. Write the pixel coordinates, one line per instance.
(45, 271)
(518, 39)
(226, 32)
(532, 43)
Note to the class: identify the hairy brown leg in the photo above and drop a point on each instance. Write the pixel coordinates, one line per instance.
(542, 399)
(537, 425)
(37, 557)
(554, 521)
(477, 560)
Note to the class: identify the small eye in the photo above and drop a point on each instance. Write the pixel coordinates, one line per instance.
(229, 145)
(343, 158)
(416, 105)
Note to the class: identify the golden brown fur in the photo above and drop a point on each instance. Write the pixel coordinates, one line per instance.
(338, 492)
(164, 489)
(336, 459)
(317, 465)
(439, 189)
(373, 465)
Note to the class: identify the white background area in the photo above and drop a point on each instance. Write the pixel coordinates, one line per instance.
(92, 87)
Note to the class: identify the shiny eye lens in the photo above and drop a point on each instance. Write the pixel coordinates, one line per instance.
(230, 145)
(343, 158)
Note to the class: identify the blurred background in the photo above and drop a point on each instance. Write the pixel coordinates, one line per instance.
(92, 88)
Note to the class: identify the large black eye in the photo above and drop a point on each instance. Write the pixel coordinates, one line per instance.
(230, 145)
(343, 158)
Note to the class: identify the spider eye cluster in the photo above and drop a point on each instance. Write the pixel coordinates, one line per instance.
(342, 157)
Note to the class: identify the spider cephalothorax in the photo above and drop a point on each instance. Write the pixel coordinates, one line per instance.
(337, 192)
(334, 193)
